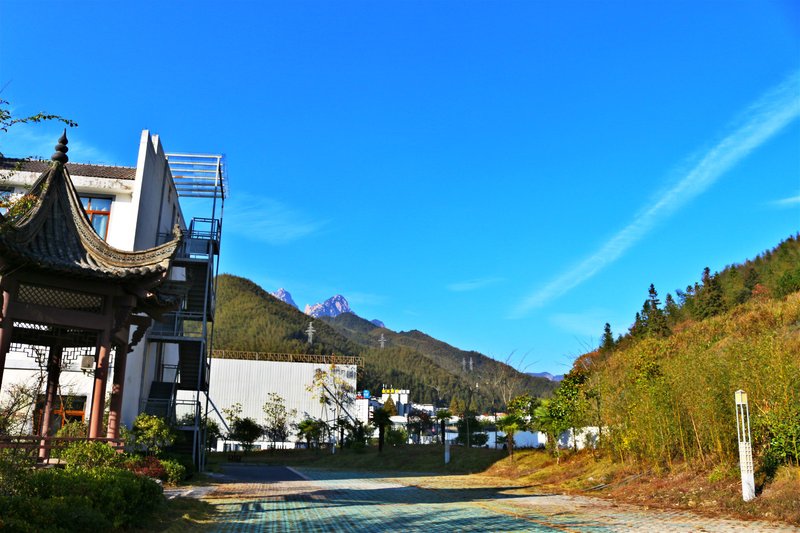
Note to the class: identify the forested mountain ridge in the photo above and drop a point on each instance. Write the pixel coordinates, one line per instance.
(249, 318)
(456, 361)
(773, 274)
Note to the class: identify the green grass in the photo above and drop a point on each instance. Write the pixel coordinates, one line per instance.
(425, 458)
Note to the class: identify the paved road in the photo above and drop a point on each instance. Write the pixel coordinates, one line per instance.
(260, 498)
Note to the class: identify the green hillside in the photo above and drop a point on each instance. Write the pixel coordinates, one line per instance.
(484, 369)
(772, 274)
(664, 392)
(248, 318)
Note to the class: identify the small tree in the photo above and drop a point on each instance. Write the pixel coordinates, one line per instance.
(246, 431)
(418, 423)
(381, 418)
(152, 434)
(311, 430)
(333, 390)
(390, 407)
(509, 425)
(607, 342)
(277, 418)
(470, 424)
(443, 415)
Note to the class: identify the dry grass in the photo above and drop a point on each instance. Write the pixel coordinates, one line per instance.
(180, 515)
(715, 492)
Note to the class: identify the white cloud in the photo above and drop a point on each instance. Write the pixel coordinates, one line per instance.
(766, 117)
(268, 220)
(473, 284)
(787, 202)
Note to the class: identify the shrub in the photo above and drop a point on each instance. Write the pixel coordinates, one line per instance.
(91, 454)
(148, 466)
(184, 460)
(80, 499)
(74, 428)
(175, 472)
(396, 437)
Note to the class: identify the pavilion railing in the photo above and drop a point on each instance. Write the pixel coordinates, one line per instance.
(33, 447)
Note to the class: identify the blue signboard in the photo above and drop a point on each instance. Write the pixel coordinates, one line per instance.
(366, 394)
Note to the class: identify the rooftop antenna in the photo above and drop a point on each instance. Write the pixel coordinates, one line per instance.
(382, 340)
(310, 332)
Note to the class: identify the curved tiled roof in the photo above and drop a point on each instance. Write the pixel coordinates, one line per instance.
(56, 235)
(77, 169)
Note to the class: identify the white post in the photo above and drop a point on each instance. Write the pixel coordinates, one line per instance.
(745, 446)
(446, 450)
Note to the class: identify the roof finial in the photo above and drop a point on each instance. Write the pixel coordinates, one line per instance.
(60, 154)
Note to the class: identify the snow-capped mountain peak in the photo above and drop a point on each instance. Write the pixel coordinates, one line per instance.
(333, 306)
(284, 296)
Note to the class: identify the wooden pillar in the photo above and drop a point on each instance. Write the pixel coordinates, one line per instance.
(53, 375)
(117, 386)
(99, 392)
(5, 334)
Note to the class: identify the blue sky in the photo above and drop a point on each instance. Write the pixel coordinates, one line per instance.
(505, 176)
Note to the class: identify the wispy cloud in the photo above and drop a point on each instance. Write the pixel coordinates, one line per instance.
(787, 202)
(473, 284)
(268, 220)
(766, 117)
(25, 140)
(588, 323)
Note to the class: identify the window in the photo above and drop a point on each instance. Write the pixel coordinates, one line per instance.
(99, 212)
(66, 409)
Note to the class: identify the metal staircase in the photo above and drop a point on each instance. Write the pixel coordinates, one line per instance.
(193, 278)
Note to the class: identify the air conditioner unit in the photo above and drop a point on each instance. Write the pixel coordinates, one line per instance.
(87, 362)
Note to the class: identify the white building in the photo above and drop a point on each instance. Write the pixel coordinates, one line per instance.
(132, 209)
(247, 378)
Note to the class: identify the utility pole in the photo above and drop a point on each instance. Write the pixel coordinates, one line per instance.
(310, 332)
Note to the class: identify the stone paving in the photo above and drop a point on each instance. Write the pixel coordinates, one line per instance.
(317, 500)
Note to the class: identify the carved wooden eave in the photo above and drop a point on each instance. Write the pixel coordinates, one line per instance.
(55, 238)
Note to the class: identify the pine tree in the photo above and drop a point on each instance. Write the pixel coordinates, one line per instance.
(710, 298)
(656, 321)
(607, 342)
(390, 407)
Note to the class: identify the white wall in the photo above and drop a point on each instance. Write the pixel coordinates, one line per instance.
(249, 383)
(585, 437)
(154, 194)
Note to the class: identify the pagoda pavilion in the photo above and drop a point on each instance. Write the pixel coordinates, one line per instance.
(68, 293)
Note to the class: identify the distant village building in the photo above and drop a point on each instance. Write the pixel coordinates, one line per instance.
(107, 289)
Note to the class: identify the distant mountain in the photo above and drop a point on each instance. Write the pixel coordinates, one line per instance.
(506, 380)
(378, 323)
(250, 319)
(547, 375)
(333, 306)
(284, 296)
